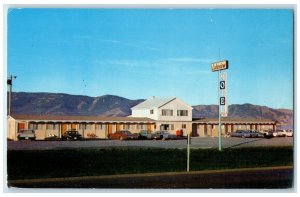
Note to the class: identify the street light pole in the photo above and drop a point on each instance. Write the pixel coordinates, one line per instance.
(9, 82)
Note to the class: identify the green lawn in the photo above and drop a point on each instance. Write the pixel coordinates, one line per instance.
(92, 161)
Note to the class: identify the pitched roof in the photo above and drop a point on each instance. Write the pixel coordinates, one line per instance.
(153, 103)
(80, 118)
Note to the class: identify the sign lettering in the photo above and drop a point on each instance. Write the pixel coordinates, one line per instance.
(219, 65)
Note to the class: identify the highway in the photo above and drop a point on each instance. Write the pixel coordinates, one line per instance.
(252, 178)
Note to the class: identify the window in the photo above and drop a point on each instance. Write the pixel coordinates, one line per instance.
(40, 126)
(82, 126)
(172, 127)
(88, 127)
(182, 112)
(100, 127)
(167, 112)
(33, 126)
(151, 111)
(50, 126)
(183, 126)
(141, 126)
(126, 126)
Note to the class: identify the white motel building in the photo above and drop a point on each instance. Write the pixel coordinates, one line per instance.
(154, 114)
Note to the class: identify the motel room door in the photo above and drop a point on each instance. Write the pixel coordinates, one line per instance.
(21, 126)
(64, 128)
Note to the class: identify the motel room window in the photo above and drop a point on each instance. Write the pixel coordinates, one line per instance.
(100, 126)
(82, 126)
(88, 127)
(126, 126)
(40, 126)
(183, 126)
(182, 112)
(33, 126)
(141, 126)
(50, 126)
(151, 111)
(167, 112)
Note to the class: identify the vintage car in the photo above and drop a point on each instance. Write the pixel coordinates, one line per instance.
(26, 134)
(71, 135)
(123, 135)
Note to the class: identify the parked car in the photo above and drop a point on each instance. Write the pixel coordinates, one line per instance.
(274, 133)
(157, 135)
(241, 133)
(123, 135)
(52, 137)
(289, 133)
(163, 135)
(71, 135)
(268, 133)
(281, 133)
(145, 135)
(26, 134)
(255, 133)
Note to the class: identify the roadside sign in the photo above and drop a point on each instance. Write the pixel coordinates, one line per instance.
(223, 94)
(222, 65)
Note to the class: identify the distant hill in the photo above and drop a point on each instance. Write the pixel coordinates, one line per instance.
(73, 105)
(110, 105)
(284, 116)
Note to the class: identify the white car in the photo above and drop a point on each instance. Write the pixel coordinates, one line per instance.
(281, 133)
(289, 133)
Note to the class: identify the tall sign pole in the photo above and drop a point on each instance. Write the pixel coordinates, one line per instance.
(9, 82)
(222, 93)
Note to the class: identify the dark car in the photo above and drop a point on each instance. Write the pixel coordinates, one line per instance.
(71, 135)
(26, 134)
(123, 135)
(145, 135)
(268, 133)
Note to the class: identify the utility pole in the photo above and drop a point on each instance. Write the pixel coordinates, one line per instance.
(9, 82)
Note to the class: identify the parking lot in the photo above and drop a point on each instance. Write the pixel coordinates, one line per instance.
(204, 143)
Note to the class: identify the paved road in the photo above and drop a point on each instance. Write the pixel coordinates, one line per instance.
(196, 143)
(258, 178)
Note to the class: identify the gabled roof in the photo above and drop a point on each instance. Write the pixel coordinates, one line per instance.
(153, 103)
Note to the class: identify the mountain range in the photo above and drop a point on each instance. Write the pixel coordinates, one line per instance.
(110, 105)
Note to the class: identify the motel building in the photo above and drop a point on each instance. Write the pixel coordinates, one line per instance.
(171, 114)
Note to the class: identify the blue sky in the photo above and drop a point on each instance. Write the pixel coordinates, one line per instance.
(139, 53)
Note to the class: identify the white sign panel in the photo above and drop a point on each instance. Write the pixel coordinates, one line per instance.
(223, 94)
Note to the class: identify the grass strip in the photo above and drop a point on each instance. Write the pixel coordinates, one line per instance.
(32, 164)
